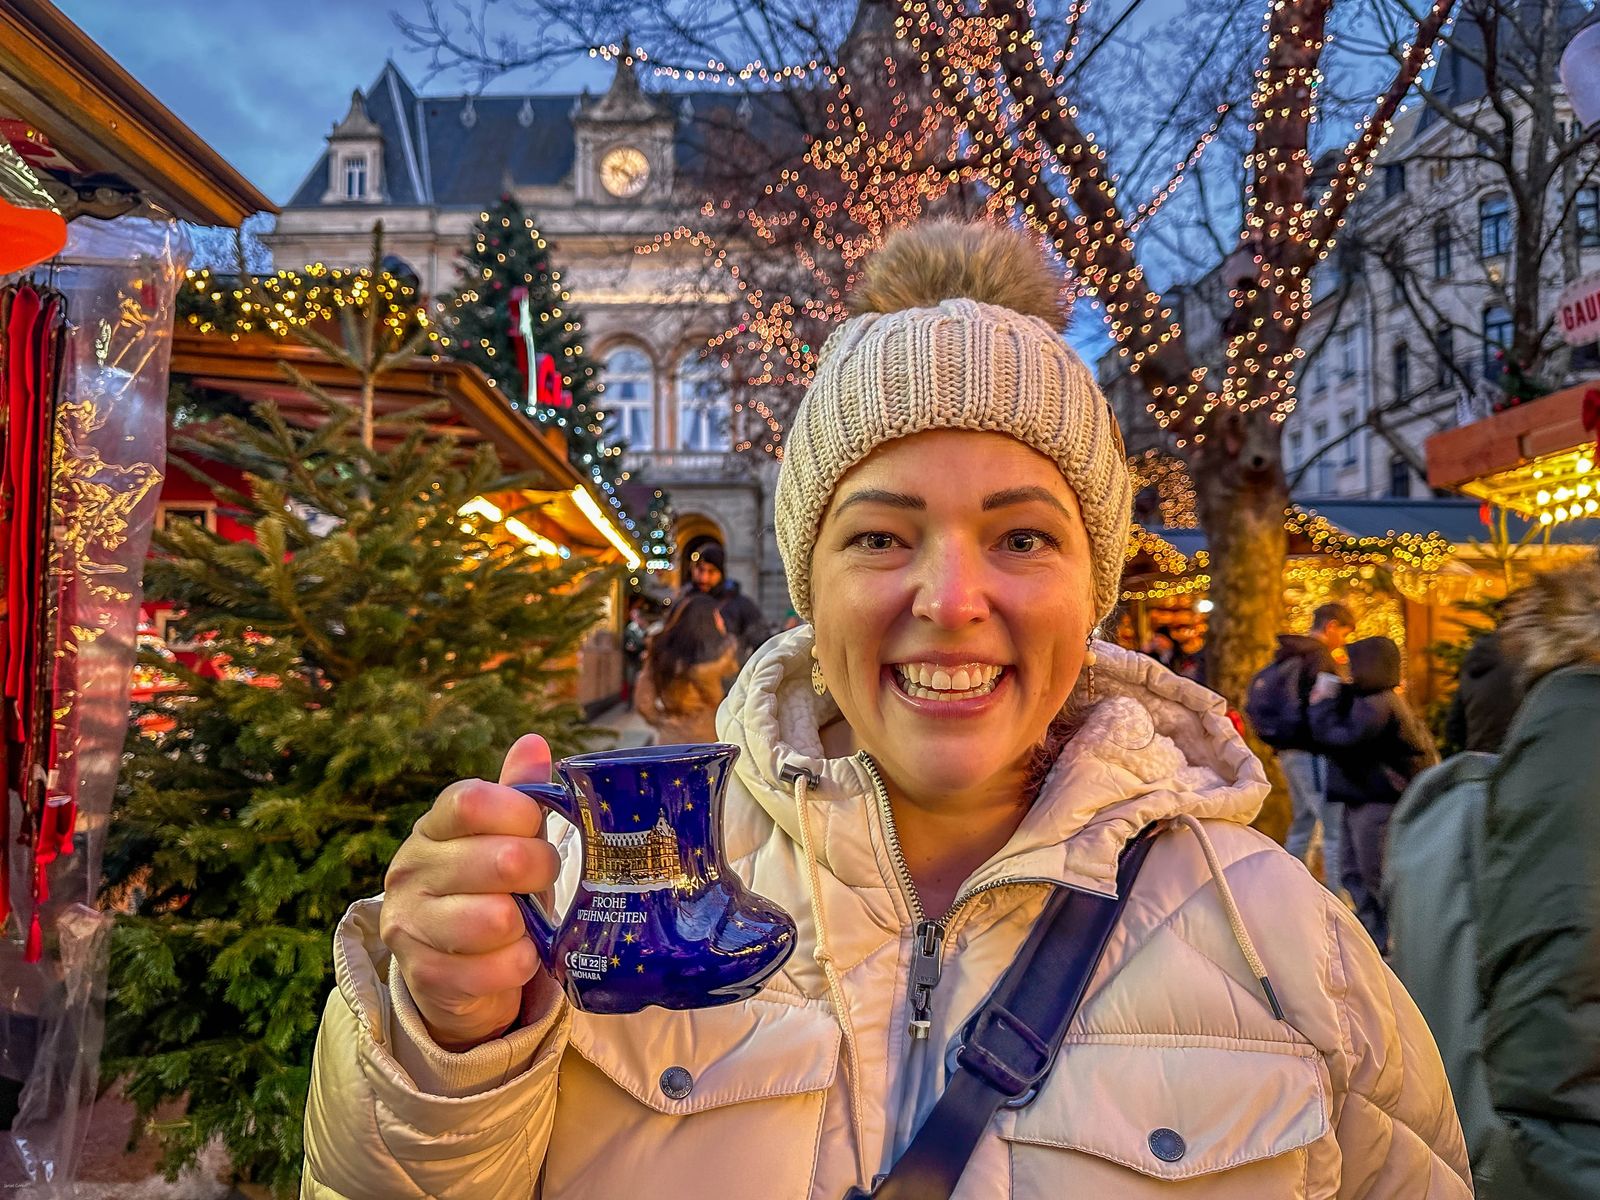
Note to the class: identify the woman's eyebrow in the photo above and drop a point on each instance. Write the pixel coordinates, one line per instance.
(1023, 495)
(880, 496)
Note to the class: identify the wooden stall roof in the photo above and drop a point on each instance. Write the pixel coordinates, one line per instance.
(250, 368)
(1502, 442)
(99, 121)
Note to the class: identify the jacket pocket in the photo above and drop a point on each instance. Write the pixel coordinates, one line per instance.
(724, 1101)
(1235, 1120)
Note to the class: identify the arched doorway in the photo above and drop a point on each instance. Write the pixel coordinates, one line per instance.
(692, 532)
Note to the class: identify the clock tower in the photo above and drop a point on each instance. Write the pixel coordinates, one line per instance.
(624, 144)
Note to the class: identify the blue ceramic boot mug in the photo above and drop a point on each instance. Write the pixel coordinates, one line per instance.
(658, 916)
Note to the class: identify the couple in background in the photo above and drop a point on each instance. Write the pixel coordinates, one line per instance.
(1349, 746)
(708, 634)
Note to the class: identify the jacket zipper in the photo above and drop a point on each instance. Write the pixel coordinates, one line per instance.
(927, 951)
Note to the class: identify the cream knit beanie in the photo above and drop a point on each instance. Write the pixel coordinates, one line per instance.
(959, 328)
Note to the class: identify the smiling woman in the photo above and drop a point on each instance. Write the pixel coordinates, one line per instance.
(924, 767)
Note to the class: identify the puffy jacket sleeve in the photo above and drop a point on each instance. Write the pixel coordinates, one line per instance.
(1538, 897)
(1396, 1124)
(391, 1114)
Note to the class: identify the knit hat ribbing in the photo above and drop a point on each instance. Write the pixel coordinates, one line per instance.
(959, 363)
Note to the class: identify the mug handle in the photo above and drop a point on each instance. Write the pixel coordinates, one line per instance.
(542, 927)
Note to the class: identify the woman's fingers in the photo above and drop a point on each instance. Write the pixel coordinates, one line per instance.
(448, 913)
(447, 986)
(464, 924)
(475, 807)
(472, 866)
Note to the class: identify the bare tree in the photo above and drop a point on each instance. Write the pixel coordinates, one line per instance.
(991, 68)
(1493, 129)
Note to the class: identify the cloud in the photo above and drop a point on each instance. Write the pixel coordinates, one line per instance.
(263, 85)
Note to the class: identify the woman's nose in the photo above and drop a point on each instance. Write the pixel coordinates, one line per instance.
(952, 589)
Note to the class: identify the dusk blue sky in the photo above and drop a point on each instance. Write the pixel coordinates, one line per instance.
(262, 84)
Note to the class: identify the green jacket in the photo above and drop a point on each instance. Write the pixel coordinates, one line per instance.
(1538, 896)
(1435, 851)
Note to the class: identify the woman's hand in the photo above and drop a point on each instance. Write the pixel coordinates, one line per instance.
(448, 915)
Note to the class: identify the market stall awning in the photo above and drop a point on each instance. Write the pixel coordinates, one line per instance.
(560, 505)
(1537, 459)
(80, 120)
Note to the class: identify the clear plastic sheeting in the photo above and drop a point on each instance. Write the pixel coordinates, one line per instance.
(120, 280)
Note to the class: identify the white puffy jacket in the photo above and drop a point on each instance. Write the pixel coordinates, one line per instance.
(815, 1085)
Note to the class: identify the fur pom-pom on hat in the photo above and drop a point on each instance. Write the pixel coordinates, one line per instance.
(958, 327)
(941, 260)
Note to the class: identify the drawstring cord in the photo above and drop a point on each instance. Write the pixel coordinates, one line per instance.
(824, 957)
(1241, 935)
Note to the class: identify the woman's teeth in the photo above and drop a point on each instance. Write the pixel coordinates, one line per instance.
(925, 681)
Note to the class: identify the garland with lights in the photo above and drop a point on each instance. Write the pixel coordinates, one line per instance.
(509, 294)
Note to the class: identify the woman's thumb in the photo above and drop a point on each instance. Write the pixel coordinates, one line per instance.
(528, 761)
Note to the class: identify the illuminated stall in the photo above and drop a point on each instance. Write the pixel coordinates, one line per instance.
(555, 513)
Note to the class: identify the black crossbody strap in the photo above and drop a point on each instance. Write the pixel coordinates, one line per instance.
(1012, 1040)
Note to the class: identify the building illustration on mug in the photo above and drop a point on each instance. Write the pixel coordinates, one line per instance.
(643, 861)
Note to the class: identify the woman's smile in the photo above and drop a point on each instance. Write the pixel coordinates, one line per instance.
(947, 690)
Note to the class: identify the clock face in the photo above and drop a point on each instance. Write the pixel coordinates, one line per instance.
(624, 171)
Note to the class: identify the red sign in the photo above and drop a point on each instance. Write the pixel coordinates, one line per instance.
(551, 390)
(1578, 311)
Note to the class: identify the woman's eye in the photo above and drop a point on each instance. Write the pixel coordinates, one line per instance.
(1027, 541)
(874, 541)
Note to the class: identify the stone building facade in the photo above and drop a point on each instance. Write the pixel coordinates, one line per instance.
(601, 176)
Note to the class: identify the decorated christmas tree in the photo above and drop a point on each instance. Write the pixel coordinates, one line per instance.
(368, 646)
(512, 316)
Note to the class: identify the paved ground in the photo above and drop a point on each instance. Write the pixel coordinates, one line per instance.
(628, 725)
(108, 1170)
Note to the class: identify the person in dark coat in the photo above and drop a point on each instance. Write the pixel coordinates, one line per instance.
(740, 614)
(1486, 699)
(1375, 745)
(1300, 659)
(1538, 899)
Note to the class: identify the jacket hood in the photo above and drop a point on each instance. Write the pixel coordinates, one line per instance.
(1155, 746)
(1374, 664)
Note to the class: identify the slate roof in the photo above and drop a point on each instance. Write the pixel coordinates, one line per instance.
(432, 156)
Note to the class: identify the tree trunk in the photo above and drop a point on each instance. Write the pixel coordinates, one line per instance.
(1241, 496)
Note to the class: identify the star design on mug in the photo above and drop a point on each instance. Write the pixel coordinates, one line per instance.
(605, 806)
(630, 938)
(640, 968)
(688, 806)
(677, 783)
(615, 961)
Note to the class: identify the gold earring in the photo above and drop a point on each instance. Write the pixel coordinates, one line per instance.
(819, 685)
(1089, 660)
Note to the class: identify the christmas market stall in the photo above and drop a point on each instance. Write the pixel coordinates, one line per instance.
(554, 512)
(1377, 558)
(94, 177)
(1539, 459)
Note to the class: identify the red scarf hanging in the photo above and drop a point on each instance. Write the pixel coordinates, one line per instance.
(31, 340)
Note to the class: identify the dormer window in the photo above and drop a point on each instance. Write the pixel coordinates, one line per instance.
(355, 158)
(355, 177)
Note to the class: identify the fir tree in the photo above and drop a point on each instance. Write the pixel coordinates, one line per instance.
(507, 253)
(376, 646)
